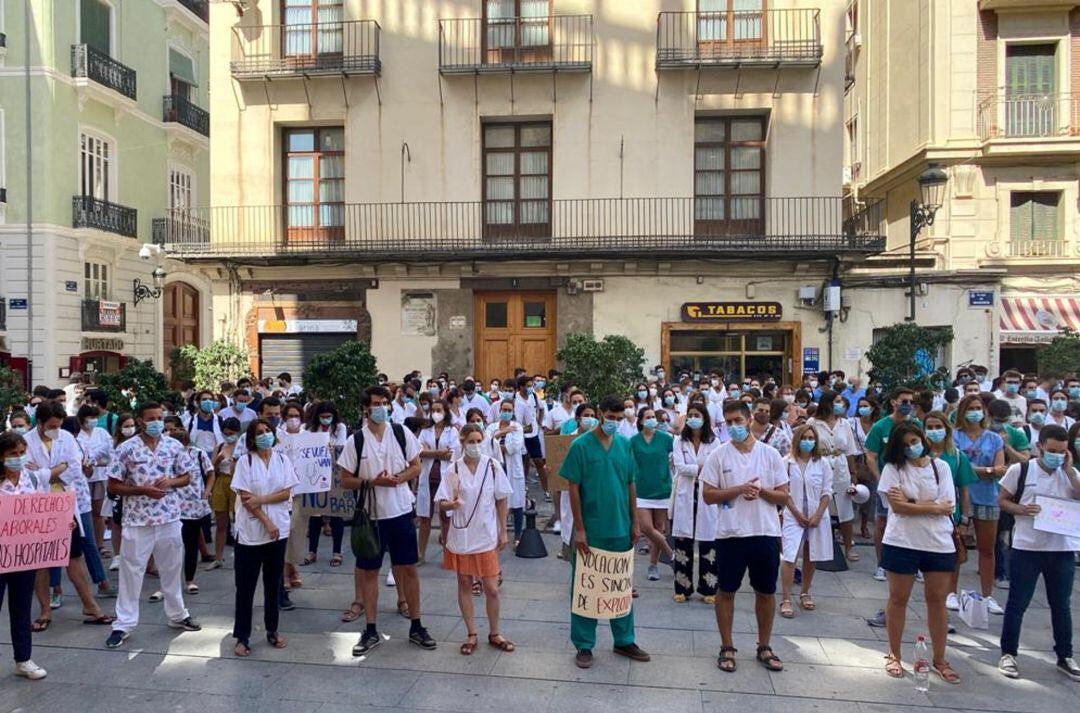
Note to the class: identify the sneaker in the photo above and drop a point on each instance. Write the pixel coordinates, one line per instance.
(1066, 666)
(633, 652)
(952, 602)
(367, 642)
(1001, 583)
(879, 574)
(654, 573)
(584, 659)
(56, 600)
(1007, 666)
(390, 582)
(114, 564)
(547, 497)
(156, 596)
(286, 603)
(212, 565)
(116, 638)
(919, 576)
(993, 607)
(557, 528)
(423, 639)
(207, 559)
(878, 620)
(29, 669)
(187, 624)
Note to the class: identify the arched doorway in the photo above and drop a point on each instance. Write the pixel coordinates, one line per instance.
(182, 310)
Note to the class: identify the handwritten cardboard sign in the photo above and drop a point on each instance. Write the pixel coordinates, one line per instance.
(555, 449)
(603, 584)
(1058, 515)
(35, 531)
(313, 460)
(336, 502)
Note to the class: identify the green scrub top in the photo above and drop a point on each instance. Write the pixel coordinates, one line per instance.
(652, 463)
(569, 427)
(604, 478)
(962, 475)
(878, 437)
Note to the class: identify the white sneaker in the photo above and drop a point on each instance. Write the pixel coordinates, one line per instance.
(390, 579)
(879, 574)
(919, 576)
(30, 670)
(952, 602)
(993, 607)
(114, 564)
(557, 528)
(1007, 666)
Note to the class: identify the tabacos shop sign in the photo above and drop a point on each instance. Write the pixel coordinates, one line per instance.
(736, 311)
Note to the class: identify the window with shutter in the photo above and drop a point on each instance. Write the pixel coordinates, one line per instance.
(517, 180)
(1033, 215)
(729, 175)
(1031, 90)
(95, 25)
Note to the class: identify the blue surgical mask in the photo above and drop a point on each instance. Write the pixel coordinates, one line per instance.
(1059, 405)
(974, 416)
(865, 411)
(695, 422)
(326, 420)
(1074, 392)
(935, 435)
(1053, 461)
(650, 423)
(264, 441)
(21, 430)
(16, 462)
(905, 408)
(806, 445)
(1031, 394)
(663, 426)
(738, 433)
(669, 400)
(240, 406)
(915, 450)
(380, 414)
(232, 439)
(611, 426)
(530, 389)
(588, 422)
(433, 390)
(642, 394)
(1076, 444)
(1012, 388)
(506, 416)
(838, 408)
(1037, 418)
(154, 428)
(208, 405)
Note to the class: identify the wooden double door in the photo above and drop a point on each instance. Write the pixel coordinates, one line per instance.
(514, 329)
(181, 322)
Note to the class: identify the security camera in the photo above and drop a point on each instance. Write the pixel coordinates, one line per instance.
(148, 251)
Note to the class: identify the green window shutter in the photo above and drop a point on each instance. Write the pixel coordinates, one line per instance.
(95, 24)
(1044, 216)
(181, 67)
(1020, 217)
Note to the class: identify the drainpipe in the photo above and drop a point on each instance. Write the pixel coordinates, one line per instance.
(29, 196)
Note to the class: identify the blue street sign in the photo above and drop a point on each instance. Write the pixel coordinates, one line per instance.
(17, 303)
(980, 298)
(71, 286)
(811, 359)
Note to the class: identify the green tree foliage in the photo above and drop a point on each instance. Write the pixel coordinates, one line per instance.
(903, 356)
(611, 365)
(218, 361)
(341, 376)
(11, 392)
(1061, 355)
(142, 382)
(182, 364)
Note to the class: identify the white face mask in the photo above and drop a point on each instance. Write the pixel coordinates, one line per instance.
(472, 450)
(52, 434)
(90, 424)
(292, 423)
(127, 431)
(437, 417)
(628, 413)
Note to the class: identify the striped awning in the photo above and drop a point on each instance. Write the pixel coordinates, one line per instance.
(1034, 320)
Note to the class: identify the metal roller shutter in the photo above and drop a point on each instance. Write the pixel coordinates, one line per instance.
(292, 352)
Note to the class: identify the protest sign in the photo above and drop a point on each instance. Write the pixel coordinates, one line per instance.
(1058, 515)
(336, 501)
(35, 531)
(555, 448)
(603, 584)
(313, 460)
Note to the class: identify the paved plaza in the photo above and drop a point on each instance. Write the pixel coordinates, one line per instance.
(833, 660)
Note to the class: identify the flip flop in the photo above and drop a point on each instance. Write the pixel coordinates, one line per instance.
(40, 625)
(336, 560)
(99, 621)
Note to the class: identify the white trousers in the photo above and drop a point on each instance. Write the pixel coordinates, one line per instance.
(164, 543)
(566, 518)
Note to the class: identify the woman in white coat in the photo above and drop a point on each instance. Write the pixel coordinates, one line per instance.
(837, 444)
(439, 445)
(504, 440)
(806, 526)
(692, 519)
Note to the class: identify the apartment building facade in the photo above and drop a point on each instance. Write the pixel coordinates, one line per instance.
(463, 183)
(986, 90)
(103, 130)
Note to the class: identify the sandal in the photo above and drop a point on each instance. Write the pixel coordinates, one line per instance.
(309, 558)
(946, 672)
(679, 598)
(353, 612)
(469, 646)
(101, 620)
(403, 610)
(336, 560)
(726, 660)
(852, 555)
(295, 582)
(772, 662)
(242, 649)
(786, 610)
(278, 642)
(40, 625)
(807, 602)
(893, 666)
(500, 642)
(477, 588)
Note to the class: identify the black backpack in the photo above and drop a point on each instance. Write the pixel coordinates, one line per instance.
(1007, 520)
(399, 436)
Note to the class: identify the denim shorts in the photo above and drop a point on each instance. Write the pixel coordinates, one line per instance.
(398, 537)
(902, 560)
(986, 512)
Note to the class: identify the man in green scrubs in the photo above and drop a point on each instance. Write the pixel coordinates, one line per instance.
(600, 470)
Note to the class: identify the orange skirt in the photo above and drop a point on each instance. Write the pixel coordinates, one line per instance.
(481, 564)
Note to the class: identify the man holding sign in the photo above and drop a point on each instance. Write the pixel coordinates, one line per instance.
(600, 470)
(1041, 546)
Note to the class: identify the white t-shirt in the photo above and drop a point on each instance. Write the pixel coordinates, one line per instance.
(254, 476)
(556, 417)
(728, 467)
(1038, 482)
(390, 502)
(478, 491)
(525, 414)
(929, 533)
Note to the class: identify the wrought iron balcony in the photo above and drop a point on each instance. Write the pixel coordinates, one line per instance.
(103, 69)
(177, 108)
(573, 228)
(738, 38)
(1028, 116)
(563, 43)
(314, 49)
(104, 316)
(89, 212)
(200, 8)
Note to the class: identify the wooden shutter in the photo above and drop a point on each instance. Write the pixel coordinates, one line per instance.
(95, 25)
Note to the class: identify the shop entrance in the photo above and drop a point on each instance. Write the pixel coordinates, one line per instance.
(514, 329)
(739, 350)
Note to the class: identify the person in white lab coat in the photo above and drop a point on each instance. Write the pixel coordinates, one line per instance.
(438, 448)
(692, 519)
(837, 444)
(504, 441)
(806, 526)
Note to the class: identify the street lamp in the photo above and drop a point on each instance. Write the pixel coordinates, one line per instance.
(931, 195)
(143, 291)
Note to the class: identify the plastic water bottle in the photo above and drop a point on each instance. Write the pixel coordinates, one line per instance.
(922, 664)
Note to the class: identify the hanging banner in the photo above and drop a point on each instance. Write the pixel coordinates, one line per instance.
(35, 531)
(603, 584)
(109, 314)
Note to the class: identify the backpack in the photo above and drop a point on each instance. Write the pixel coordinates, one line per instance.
(1007, 520)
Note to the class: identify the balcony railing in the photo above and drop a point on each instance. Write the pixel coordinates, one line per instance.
(323, 48)
(1038, 249)
(103, 69)
(516, 44)
(184, 112)
(729, 39)
(1028, 116)
(200, 8)
(103, 316)
(89, 212)
(598, 227)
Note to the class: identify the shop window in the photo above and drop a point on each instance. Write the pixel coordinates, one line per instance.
(95, 281)
(517, 180)
(729, 180)
(315, 183)
(1033, 215)
(754, 353)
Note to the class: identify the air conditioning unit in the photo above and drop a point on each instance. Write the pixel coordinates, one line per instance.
(592, 285)
(808, 294)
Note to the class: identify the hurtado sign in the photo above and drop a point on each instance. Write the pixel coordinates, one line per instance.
(748, 311)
